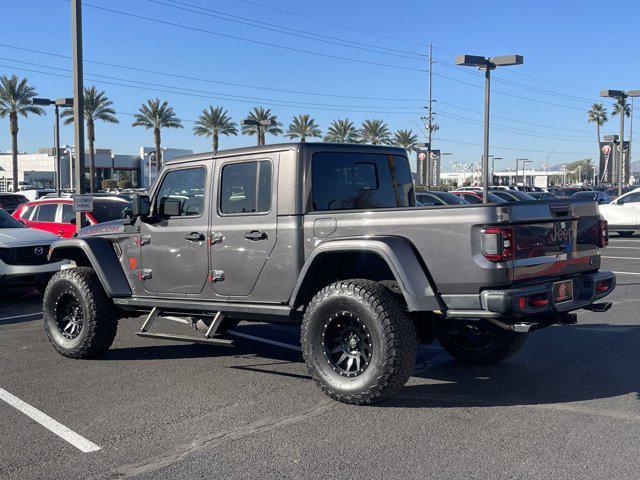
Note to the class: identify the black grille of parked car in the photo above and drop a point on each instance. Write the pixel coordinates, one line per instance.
(34, 255)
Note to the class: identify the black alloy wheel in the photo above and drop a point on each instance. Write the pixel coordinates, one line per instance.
(347, 344)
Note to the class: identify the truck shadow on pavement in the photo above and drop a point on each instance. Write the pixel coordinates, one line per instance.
(568, 364)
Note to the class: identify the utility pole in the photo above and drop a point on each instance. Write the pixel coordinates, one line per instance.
(428, 170)
(78, 100)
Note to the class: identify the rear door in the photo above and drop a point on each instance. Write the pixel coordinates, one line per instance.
(67, 216)
(243, 226)
(44, 218)
(174, 240)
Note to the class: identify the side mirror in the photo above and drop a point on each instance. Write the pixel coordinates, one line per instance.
(140, 206)
(72, 221)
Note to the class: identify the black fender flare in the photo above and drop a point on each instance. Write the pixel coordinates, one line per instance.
(408, 269)
(102, 258)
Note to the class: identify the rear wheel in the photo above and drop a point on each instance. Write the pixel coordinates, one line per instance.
(626, 233)
(479, 343)
(79, 318)
(358, 342)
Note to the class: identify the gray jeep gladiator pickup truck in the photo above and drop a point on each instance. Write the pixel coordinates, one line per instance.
(328, 235)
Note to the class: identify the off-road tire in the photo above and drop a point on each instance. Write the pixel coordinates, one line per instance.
(392, 337)
(626, 233)
(99, 315)
(489, 345)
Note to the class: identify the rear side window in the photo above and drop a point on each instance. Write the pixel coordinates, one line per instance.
(183, 189)
(343, 181)
(67, 213)
(46, 212)
(245, 188)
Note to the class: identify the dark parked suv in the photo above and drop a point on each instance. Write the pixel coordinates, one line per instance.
(328, 236)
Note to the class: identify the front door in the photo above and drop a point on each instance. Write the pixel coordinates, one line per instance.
(243, 226)
(173, 241)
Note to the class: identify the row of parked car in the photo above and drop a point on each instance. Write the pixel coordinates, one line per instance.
(28, 228)
(622, 213)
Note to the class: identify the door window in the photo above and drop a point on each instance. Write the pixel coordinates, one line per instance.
(631, 198)
(245, 188)
(182, 193)
(46, 212)
(67, 213)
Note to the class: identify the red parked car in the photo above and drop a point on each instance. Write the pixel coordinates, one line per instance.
(475, 196)
(56, 215)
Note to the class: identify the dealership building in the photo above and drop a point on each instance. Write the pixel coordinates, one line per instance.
(39, 168)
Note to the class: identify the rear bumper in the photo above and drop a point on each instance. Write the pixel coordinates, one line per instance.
(507, 303)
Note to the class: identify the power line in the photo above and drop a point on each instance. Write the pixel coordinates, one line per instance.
(249, 40)
(440, 139)
(288, 30)
(519, 85)
(185, 93)
(209, 80)
(327, 22)
(259, 99)
(514, 120)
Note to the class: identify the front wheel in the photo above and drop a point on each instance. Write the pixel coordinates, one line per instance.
(358, 342)
(477, 343)
(79, 318)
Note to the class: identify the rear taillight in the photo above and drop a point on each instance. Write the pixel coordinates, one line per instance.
(603, 233)
(498, 243)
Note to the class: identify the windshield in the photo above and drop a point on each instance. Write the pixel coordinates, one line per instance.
(7, 221)
(107, 211)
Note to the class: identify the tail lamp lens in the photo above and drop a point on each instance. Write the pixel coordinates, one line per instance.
(603, 237)
(498, 243)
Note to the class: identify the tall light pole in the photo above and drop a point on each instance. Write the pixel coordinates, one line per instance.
(524, 170)
(78, 100)
(621, 95)
(260, 124)
(487, 64)
(58, 102)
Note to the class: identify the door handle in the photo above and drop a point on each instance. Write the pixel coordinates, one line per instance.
(194, 237)
(255, 235)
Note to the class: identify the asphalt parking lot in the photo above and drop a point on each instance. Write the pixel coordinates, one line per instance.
(566, 406)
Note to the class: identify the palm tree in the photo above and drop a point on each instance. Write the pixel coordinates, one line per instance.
(598, 115)
(375, 132)
(405, 139)
(156, 116)
(214, 122)
(97, 106)
(16, 99)
(342, 131)
(259, 114)
(621, 103)
(303, 127)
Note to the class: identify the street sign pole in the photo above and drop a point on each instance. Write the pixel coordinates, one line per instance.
(78, 101)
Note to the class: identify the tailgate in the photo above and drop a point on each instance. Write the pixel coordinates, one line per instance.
(555, 239)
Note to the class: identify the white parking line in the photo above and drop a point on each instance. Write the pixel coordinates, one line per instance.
(626, 273)
(49, 423)
(264, 340)
(622, 258)
(21, 316)
(624, 248)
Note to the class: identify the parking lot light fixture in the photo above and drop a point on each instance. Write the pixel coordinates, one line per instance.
(621, 95)
(58, 103)
(487, 64)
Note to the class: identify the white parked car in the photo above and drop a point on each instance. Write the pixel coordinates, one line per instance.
(623, 214)
(24, 255)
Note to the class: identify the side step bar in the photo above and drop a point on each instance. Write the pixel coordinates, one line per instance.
(186, 338)
(208, 337)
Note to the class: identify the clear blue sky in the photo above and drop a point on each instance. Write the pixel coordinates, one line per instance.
(568, 46)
